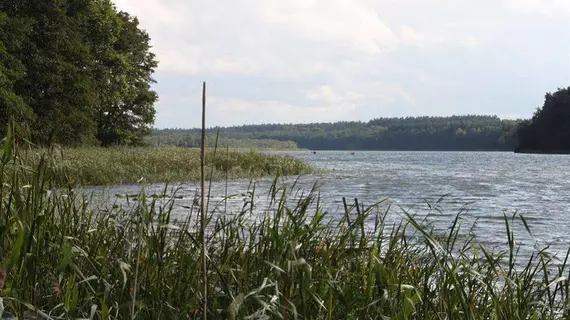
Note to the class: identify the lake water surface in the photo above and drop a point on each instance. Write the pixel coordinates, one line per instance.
(484, 184)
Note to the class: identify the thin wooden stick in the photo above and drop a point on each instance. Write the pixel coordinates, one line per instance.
(212, 171)
(203, 207)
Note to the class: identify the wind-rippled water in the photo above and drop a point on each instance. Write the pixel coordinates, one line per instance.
(485, 184)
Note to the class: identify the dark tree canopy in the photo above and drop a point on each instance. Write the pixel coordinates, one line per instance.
(549, 129)
(12, 70)
(77, 71)
(129, 106)
(469, 132)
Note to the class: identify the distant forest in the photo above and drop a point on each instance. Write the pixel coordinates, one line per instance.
(461, 133)
(548, 131)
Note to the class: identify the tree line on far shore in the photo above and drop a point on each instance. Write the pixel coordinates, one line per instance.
(412, 133)
(547, 132)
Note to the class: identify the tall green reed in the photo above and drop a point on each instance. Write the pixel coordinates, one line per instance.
(290, 259)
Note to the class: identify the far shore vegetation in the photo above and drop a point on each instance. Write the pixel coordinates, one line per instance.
(547, 132)
(549, 129)
(461, 133)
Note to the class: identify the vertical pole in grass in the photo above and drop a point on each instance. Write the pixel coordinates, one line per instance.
(203, 206)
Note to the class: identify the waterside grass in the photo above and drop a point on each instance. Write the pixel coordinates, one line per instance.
(106, 166)
(62, 259)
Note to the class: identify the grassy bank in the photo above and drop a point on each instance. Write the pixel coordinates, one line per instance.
(61, 259)
(104, 166)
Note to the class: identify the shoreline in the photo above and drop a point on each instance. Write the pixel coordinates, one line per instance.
(534, 151)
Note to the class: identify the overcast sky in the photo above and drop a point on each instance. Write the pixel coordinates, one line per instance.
(292, 61)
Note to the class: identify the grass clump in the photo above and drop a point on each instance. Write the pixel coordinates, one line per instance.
(62, 259)
(105, 166)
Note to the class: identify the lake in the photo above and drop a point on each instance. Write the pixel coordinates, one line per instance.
(485, 185)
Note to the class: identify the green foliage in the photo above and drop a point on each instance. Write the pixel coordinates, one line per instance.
(11, 70)
(126, 165)
(129, 108)
(549, 128)
(64, 258)
(78, 71)
(413, 133)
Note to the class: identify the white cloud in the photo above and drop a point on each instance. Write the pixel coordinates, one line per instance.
(282, 38)
(394, 91)
(160, 12)
(239, 111)
(326, 105)
(409, 36)
(327, 95)
(545, 7)
(353, 24)
(269, 59)
(191, 61)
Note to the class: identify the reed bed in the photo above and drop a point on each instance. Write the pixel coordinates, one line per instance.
(107, 166)
(62, 259)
